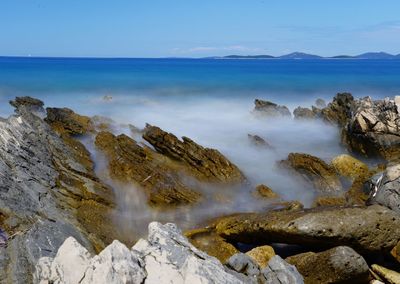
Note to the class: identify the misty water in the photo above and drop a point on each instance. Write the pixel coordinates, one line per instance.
(210, 102)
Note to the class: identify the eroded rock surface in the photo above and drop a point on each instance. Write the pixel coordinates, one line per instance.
(267, 108)
(314, 171)
(373, 229)
(45, 194)
(337, 265)
(339, 111)
(208, 164)
(165, 257)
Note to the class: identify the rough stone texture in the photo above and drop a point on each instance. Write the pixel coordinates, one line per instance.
(279, 271)
(390, 276)
(350, 167)
(129, 162)
(374, 229)
(261, 255)
(304, 113)
(329, 201)
(244, 264)
(320, 103)
(374, 129)
(165, 257)
(266, 192)
(337, 265)
(314, 171)
(208, 241)
(259, 141)
(68, 121)
(395, 252)
(39, 206)
(339, 111)
(208, 164)
(267, 108)
(386, 189)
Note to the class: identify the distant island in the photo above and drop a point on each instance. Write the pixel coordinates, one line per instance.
(301, 55)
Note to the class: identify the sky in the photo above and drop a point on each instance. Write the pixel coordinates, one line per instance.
(197, 28)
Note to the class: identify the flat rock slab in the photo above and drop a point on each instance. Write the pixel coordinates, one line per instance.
(371, 229)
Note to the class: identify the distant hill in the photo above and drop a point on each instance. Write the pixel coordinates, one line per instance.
(301, 55)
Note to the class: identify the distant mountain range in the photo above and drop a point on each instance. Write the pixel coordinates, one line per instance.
(301, 55)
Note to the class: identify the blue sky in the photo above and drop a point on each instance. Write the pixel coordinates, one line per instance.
(196, 28)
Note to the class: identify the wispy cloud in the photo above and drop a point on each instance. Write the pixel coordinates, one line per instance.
(207, 49)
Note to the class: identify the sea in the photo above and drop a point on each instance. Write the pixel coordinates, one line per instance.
(211, 101)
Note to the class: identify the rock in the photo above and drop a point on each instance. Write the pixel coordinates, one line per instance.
(372, 229)
(395, 252)
(165, 257)
(304, 113)
(386, 189)
(267, 108)
(244, 264)
(339, 111)
(64, 120)
(261, 255)
(358, 192)
(373, 129)
(130, 163)
(291, 205)
(314, 171)
(388, 275)
(337, 265)
(320, 103)
(279, 271)
(208, 164)
(44, 190)
(321, 201)
(266, 192)
(350, 167)
(208, 241)
(258, 141)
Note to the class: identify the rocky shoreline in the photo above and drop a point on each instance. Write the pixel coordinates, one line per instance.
(57, 215)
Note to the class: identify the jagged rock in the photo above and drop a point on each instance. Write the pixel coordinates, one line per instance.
(266, 192)
(350, 167)
(39, 209)
(339, 111)
(313, 171)
(329, 201)
(337, 265)
(386, 190)
(208, 241)
(291, 205)
(129, 162)
(279, 271)
(244, 264)
(395, 252)
(304, 113)
(165, 257)
(65, 120)
(373, 229)
(261, 255)
(267, 108)
(320, 103)
(259, 141)
(208, 164)
(373, 129)
(390, 276)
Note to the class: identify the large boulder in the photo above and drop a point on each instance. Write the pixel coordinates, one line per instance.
(165, 257)
(67, 121)
(313, 171)
(207, 164)
(373, 229)
(350, 167)
(130, 163)
(304, 113)
(270, 109)
(45, 194)
(386, 188)
(337, 265)
(339, 111)
(373, 130)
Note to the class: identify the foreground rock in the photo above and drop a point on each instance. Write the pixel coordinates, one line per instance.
(267, 108)
(130, 163)
(337, 265)
(386, 189)
(374, 129)
(314, 171)
(165, 257)
(66, 120)
(46, 194)
(387, 275)
(374, 229)
(350, 167)
(262, 255)
(208, 164)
